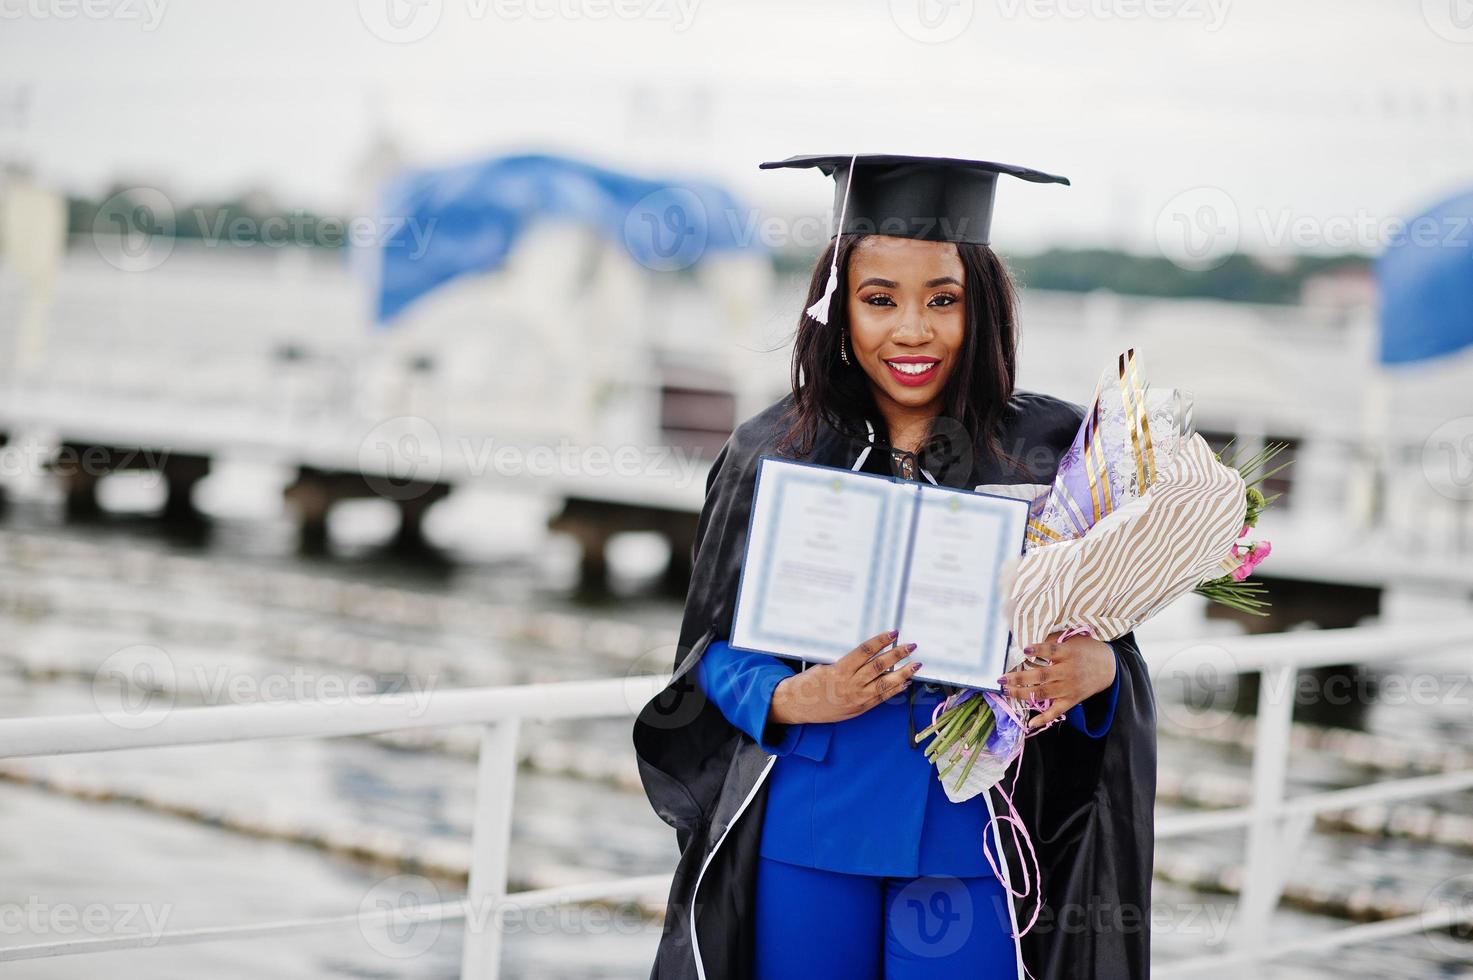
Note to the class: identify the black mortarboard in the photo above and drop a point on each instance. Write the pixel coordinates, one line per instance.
(937, 199)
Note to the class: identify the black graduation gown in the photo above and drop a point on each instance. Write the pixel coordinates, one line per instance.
(1088, 803)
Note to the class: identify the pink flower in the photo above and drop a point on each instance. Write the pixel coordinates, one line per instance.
(1251, 559)
(1246, 526)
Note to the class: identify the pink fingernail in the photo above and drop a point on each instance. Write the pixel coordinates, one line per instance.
(910, 647)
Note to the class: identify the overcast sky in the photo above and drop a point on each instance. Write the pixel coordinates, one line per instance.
(1301, 121)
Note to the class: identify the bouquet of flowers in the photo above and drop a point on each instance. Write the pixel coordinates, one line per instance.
(1141, 511)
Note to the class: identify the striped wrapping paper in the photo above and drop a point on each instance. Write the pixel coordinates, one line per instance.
(1138, 558)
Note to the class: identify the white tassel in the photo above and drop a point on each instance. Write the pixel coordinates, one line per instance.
(820, 310)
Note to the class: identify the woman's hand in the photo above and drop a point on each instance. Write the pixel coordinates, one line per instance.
(1078, 668)
(849, 686)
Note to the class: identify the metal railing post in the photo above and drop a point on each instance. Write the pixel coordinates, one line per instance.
(1265, 870)
(496, 773)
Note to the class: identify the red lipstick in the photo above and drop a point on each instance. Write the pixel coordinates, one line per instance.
(922, 373)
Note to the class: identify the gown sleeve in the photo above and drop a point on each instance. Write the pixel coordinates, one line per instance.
(741, 683)
(1094, 715)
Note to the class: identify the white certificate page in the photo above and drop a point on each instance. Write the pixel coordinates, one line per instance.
(950, 606)
(821, 571)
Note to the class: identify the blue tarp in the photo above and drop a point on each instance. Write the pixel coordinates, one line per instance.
(449, 222)
(1426, 285)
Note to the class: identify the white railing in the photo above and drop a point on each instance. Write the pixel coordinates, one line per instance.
(499, 709)
(1276, 824)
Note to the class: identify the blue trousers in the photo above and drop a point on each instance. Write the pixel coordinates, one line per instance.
(814, 924)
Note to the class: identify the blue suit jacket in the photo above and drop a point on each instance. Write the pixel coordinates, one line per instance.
(852, 795)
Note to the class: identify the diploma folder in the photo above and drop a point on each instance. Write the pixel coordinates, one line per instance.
(835, 556)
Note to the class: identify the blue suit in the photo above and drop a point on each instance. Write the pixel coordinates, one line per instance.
(852, 795)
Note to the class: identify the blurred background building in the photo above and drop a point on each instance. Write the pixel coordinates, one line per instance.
(236, 468)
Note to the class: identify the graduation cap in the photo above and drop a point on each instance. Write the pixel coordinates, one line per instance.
(935, 199)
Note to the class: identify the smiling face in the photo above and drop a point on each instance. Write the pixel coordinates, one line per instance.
(907, 320)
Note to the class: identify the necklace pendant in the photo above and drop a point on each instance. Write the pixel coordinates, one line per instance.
(902, 463)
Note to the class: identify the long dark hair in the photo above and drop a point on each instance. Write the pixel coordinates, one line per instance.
(825, 390)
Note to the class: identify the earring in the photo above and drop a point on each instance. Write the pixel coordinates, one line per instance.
(843, 350)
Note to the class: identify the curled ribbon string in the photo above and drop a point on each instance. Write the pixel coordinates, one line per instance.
(1032, 869)
(1022, 840)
